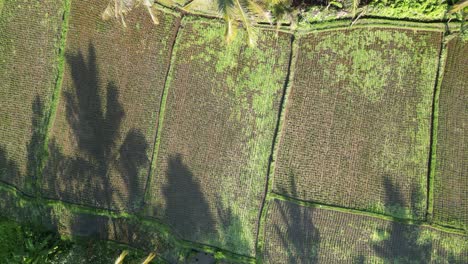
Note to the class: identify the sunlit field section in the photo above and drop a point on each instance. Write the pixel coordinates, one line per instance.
(29, 39)
(101, 142)
(357, 123)
(297, 234)
(451, 178)
(220, 116)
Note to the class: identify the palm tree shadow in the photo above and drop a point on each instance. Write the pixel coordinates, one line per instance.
(10, 171)
(8, 167)
(186, 208)
(231, 230)
(299, 237)
(33, 214)
(101, 172)
(404, 243)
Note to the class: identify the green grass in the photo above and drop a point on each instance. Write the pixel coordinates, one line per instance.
(26, 244)
(288, 87)
(430, 10)
(162, 111)
(41, 213)
(50, 114)
(434, 128)
(445, 229)
(409, 9)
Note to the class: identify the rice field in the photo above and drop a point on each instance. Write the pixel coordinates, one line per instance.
(334, 144)
(298, 234)
(220, 115)
(451, 181)
(29, 38)
(101, 141)
(357, 123)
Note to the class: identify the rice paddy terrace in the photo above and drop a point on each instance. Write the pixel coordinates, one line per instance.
(331, 144)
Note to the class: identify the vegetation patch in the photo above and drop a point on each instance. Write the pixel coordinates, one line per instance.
(220, 116)
(297, 234)
(101, 143)
(419, 10)
(24, 244)
(83, 231)
(451, 179)
(357, 125)
(409, 9)
(29, 38)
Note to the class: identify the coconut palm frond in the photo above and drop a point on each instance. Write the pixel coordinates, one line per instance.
(152, 15)
(355, 6)
(292, 17)
(122, 256)
(244, 16)
(116, 9)
(148, 259)
(458, 6)
(284, 12)
(231, 30)
(227, 9)
(276, 2)
(119, 8)
(278, 26)
(148, 4)
(122, 7)
(258, 10)
(108, 13)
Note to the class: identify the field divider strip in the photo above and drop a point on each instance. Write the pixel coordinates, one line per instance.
(337, 24)
(434, 127)
(51, 113)
(437, 26)
(162, 110)
(161, 228)
(419, 223)
(288, 83)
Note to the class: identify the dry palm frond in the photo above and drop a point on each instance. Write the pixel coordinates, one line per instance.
(258, 10)
(148, 259)
(231, 30)
(458, 6)
(355, 6)
(122, 256)
(149, 4)
(283, 11)
(119, 8)
(357, 18)
(244, 10)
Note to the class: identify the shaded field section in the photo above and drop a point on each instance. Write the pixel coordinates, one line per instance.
(220, 116)
(297, 234)
(29, 37)
(128, 231)
(451, 178)
(102, 139)
(55, 217)
(357, 122)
